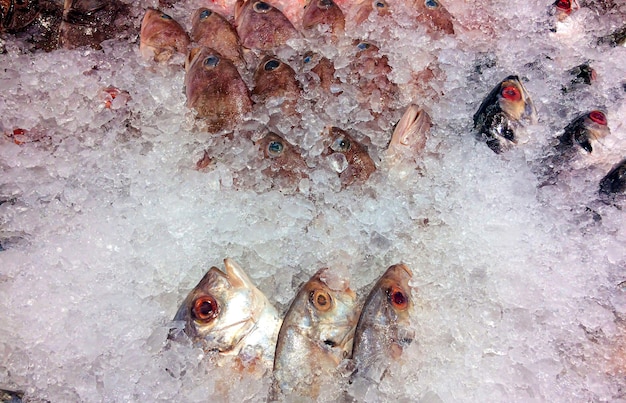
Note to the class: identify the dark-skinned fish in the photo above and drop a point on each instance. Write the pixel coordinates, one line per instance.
(315, 337)
(212, 30)
(161, 36)
(583, 131)
(215, 90)
(384, 328)
(262, 26)
(613, 185)
(226, 313)
(502, 113)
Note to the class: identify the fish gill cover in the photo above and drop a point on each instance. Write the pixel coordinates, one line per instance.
(115, 200)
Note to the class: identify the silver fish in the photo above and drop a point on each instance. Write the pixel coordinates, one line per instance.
(227, 314)
(502, 112)
(384, 328)
(316, 335)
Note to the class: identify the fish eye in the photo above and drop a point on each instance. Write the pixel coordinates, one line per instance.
(307, 59)
(511, 93)
(321, 300)
(205, 13)
(431, 4)
(261, 7)
(398, 298)
(205, 309)
(563, 4)
(380, 4)
(271, 65)
(325, 3)
(211, 61)
(275, 148)
(165, 16)
(363, 45)
(598, 117)
(341, 144)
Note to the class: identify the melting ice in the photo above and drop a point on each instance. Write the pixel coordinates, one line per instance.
(106, 224)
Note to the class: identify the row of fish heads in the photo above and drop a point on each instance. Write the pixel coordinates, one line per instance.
(327, 332)
(508, 108)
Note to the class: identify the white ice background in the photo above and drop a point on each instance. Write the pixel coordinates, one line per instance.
(106, 223)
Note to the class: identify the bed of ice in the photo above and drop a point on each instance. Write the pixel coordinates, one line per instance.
(106, 224)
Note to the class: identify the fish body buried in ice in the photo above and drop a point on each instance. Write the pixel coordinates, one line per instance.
(316, 335)
(359, 164)
(212, 30)
(384, 328)
(286, 163)
(262, 26)
(226, 313)
(502, 113)
(215, 90)
(613, 185)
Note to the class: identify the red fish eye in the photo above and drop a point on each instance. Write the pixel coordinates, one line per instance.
(598, 117)
(398, 298)
(563, 4)
(511, 93)
(205, 309)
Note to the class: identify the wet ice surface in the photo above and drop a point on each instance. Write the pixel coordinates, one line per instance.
(105, 224)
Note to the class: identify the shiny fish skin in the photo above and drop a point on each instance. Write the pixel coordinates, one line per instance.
(583, 131)
(613, 185)
(161, 37)
(502, 113)
(315, 336)
(215, 90)
(226, 313)
(384, 327)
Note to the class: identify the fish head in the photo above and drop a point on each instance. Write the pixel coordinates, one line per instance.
(161, 36)
(514, 99)
(613, 185)
(585, 130)
(213, 30)
(359, 163)
(262, 26)
(435, 16)
(385, 322)
(412, 129)
(215, 89)
(563, 8)
(273, 77)
(327, 313)
(285, 160)
(221, 310)
(366, 7)
(318, 12)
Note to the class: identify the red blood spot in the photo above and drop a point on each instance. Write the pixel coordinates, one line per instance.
(19, 132)
(511, 93)
(598, 117)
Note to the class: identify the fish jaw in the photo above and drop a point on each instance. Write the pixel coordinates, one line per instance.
(412, 129)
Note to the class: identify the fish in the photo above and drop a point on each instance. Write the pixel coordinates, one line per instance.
(316, 335)
(286, 162)
(563, 8)
(613, 185)
(274, 78)
(584, 130)
(502, 112)
(261, 26)
(9, 396)
(212, 30)
(324, 69)
(90, 22)
(369, 73)
(228, 315)
(161, 37)
(366, 7)
(215, 90)
(324, 12)
(359, 165)
(384, 328)
(615, 38)
(583, 74)
(433, 15)
(412, 130)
